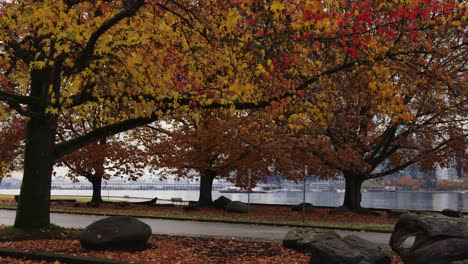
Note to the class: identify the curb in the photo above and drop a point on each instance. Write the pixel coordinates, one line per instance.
(44, 256)
(227, 222)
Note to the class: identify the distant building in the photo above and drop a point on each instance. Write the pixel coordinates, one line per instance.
(446, 173)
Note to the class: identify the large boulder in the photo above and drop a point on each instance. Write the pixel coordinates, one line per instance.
(348, 250)
(300, 239)
(307, 206)
(237, 207)
(438, 239)
(221, 202)
(115, 232)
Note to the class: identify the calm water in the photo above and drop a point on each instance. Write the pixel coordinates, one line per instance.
(433, 201)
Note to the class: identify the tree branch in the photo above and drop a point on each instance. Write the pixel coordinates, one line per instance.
(84, 58)
(67, 147)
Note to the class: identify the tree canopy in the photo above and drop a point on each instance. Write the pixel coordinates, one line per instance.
(137, 60)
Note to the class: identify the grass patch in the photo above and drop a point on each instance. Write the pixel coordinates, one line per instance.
(231, 218)
(52, 232)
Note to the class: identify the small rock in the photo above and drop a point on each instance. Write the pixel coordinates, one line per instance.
(452, 213)
(221, 202)
(298, 208)
(396, 213)
(237, 207)
(300, 239)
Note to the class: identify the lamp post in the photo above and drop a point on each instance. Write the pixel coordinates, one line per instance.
(249, 188)
(303, 194)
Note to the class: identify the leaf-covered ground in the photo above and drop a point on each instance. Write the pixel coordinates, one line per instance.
(178, 249)
(173, 249)
(258, 213)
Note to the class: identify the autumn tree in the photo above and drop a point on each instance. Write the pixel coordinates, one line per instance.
(212, 143)
(152, 57)
(110, 156)
(409, 108)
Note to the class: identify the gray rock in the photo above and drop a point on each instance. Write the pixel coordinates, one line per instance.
(452, 213)
(396, 213)
(348, 250)
(115, 232)
(237, 207)
(298, 208)
(221, 202)
(300, 239)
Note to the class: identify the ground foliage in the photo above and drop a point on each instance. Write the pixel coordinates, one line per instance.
(258, 213)
(161, 249)
(195, 249)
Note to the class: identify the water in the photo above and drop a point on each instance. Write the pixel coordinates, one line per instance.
(431, 201)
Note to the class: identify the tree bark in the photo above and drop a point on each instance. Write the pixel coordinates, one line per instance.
(352, 199)
(96, 181)
(98, 174)
(39, 155)
(206, 186)
(33, 205)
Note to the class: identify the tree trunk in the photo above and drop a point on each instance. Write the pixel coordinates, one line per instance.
(96, 181)
(39, 158)
(39, 154)
(206, 185)
(99, 171)
(352, 199)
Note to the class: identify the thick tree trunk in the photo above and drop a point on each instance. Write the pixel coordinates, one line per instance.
(39, 158)
(97, 184)
(206, 186)
(352, 199)
(39, 153)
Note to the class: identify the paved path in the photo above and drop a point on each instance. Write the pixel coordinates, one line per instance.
(192, 228)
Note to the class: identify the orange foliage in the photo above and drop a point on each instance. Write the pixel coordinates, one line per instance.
(446, 185)
(407, 182)
(11, 137)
